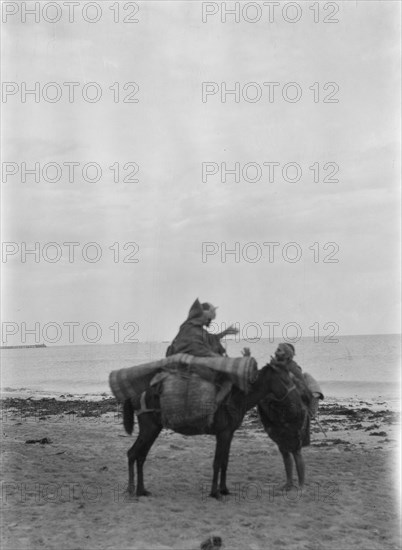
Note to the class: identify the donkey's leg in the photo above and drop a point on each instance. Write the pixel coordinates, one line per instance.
(225, 460)
(287, 460)
(148, 433)
(299, 466)
(152, 433)
(223, 440)
(131, 459)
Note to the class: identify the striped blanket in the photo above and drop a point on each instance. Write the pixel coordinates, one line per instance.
(129, 383)
(242, 371)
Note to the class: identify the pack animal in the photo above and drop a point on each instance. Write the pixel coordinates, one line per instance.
(227, 419)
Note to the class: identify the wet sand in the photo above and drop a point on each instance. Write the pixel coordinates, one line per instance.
(65, 475)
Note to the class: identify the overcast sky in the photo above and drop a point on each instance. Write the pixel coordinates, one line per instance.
(169, 133)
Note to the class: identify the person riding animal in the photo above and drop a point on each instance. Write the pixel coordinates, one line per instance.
(194, 339)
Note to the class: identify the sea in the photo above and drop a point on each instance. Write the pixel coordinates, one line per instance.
(355, 368)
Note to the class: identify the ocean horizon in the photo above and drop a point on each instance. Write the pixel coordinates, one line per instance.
(363, 367)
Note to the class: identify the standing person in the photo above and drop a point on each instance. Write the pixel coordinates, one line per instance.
(284, 355)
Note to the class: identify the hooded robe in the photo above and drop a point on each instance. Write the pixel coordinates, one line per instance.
(193, 339)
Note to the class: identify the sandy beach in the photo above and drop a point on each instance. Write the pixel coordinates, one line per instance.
(65, 474)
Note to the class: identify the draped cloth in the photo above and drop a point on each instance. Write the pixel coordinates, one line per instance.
(129, 383)
(192, 338)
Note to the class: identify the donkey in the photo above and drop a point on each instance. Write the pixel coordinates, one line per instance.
(271, 380)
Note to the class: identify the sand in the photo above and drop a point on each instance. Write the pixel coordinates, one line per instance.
(68, 491)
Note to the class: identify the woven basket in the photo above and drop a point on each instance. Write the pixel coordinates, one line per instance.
(187, 401)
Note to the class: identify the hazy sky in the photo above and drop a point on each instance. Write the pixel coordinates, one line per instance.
(169, 133)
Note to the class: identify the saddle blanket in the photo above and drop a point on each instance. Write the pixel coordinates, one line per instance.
(129, 383)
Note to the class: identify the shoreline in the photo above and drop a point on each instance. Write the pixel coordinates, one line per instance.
(370, 419)
(376, 404)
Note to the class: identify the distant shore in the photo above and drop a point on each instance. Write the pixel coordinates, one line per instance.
(334, 391)
(24, 346)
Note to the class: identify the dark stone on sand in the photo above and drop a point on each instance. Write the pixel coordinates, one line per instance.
(337, 410)
(213, 543)
(380, 434)
(43, 441)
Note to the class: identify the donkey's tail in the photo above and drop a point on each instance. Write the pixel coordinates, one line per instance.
(128, 416)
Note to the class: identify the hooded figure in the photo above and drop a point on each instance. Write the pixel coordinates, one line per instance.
(193, 339)
(284, 356)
